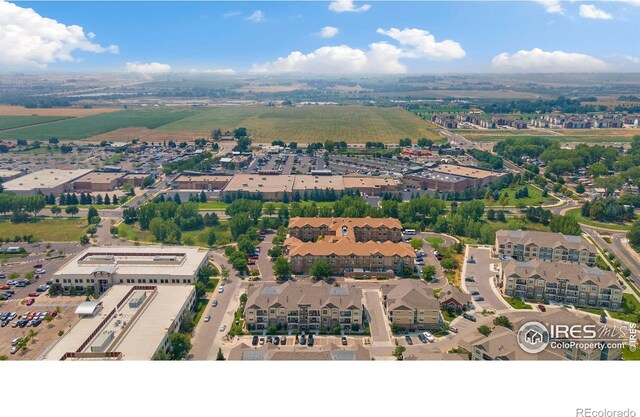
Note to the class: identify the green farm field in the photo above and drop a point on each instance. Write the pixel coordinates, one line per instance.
(83, 127)
(12, 122)
(353, 124)
(561, 135)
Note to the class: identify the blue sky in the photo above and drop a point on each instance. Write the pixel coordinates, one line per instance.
(429, 36)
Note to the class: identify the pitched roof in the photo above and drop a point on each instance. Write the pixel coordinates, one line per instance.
(543, 239)
(346, 247)
(449, 291)
(335, 223)
(554, 271)
(292, 294)
(410, 294)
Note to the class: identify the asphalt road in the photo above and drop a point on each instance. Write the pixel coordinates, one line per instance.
(379, 329)
(264, 264)
(484, 276)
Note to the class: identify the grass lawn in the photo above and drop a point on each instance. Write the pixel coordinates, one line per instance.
(133, 233)
(434, 240)
(591, 310)
(630, 309)
(513, 223)
(576, 212)
(447, 316)
(628, 355)
(238, 322)
(213, 284)
(46, 229)
(354, 124)
(517, 303)
(201, 306)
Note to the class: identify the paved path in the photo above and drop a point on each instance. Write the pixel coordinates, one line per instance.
(380, 332)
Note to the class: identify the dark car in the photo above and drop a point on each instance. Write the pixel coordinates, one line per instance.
(3, 276)
(603, 318)
(470, 279)
(469, 317)
(344, 340)
(310, 341)
(276, 340)
(283, 341)
(422, 338)
(408, 339)
(269, 339)
(542, 308)
(478, 299)
(303, 340)
(254, 341)
(475, 293)
(4, 323)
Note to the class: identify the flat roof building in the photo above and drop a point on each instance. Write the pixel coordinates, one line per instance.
(98, 181)
(304, 183)
(271, 187)
(127, 323)
(6, 175)
(103, 267)
(201, 182)
(46, 181)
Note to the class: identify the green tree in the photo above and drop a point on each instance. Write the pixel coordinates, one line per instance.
(180, 345)
(211, 238)
(429, 272)
(93, 212)
(201, 289)
(84, 240)
(503, 321)
(220, 356)
(417, 243)
(55, 210)
(484, 330)
(92, 230)
(399, 351)
(161, 355)
(281, 268)
(71, 210)
(320, 269)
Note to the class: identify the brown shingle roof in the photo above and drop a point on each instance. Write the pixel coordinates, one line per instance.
(554, 271)
(346, 247)
(334, 223)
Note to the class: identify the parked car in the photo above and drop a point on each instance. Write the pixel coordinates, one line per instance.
(50, 282)
(283, 340)
(344, 340)
(12, 282)
(215, 303)
(14, 350)
(15, 341)
(542, 308)
(262, 341)
(254, 257)
(429, 337)
(470, 279)
(276, 340)
(603, 318)
(222, 327)
(254, 341)
(30, 301)
(221, 289)
(269, 339)
(422, 338)
(310, 340)
(251, 262)
(4, 323)
(471, 261)
(207, 318)
(475, 293)
(38, 266)
(303, 340)
(34, 294)
(408, 339)
(468, 316)
(3, 276)
(453, 329)
(42, 288)
(5, 287)
(478, 299)
(40, 271)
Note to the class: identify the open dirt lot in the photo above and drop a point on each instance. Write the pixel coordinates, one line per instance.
(47, 332)
(65, 112)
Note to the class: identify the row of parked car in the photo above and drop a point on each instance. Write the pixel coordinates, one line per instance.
(28, 319)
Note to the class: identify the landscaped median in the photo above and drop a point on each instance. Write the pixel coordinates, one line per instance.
(577, 214)
(517, 303)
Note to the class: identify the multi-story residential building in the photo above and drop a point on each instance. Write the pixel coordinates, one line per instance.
(411, 305)
(551, 247)
(445, 120)
(309, 229)
(561, 282)
(451, 298)
(299, 306)
(501, 343)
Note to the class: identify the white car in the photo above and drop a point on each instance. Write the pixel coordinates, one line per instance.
(207, 318)
(15, 341)
(429, 337)
(14, 350)
(222, 327)
(221, 289)
(40, 271)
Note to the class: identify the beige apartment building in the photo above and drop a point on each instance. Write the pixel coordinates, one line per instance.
(410, 304)
(561, 282)
(550, 247)
(299, 306)
(359, 229)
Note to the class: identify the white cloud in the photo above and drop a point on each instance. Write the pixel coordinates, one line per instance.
(150, 68)
(381, 57)
(30, 40)
(424, 44)
(221, 71)
(328, 32)
(589, 11)
(552, 6)
(347, 6)
(231, 14)
(257, 16)
(537, 60)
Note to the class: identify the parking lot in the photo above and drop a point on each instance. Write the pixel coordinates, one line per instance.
(47, 332)
(482, 270)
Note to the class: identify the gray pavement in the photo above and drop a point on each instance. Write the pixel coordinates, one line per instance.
(484, 272)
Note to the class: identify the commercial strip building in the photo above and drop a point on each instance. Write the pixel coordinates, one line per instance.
(103, 267)
(126, 323)
(550, 247)
(353, 247)
(502, 344)
(299, 306)
(46, 181)
(561, 282)
(410, 304)
(98, 181)
(359, 229)
(448, 177)
(6, 175)
(273, 187)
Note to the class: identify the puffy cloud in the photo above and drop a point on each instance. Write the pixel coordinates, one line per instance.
(221, 71)
(424, 44)
(537, 60)
(380, 58)
(552, 6)
(328, 32)
(30, 40)
(150, 68)
(347, 6)
(257, 16)
(589, 11)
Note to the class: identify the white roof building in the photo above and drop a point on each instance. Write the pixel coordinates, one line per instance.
(46, 181)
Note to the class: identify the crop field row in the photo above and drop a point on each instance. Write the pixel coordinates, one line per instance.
(12, 122)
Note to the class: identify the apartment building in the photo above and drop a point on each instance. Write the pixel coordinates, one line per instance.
(299, 306)
(551, 247)
(359, 229)
(411, 305)
(561, 282)
(451, 298)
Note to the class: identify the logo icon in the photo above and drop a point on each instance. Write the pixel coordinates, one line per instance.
(533, 337)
